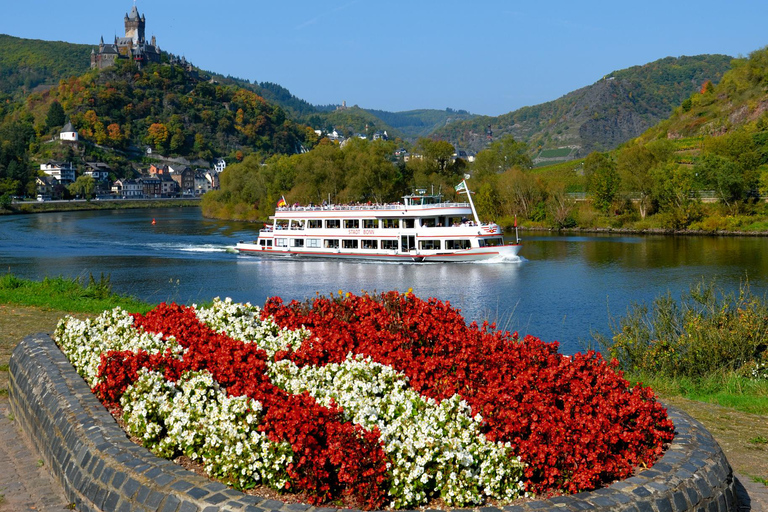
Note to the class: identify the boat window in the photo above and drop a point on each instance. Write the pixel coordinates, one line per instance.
(313, 242)
(332, 224)
(262, 243)
(455, 245)
(281, 242)
(297, 224)
(429, 245)
(297, 242)
(331, 244)
(409, 223)
(269, 243)
(390, 223)
(351, 223)
(315, 224)
(389, 245)
(349, 244)
(281, 224)
(370, 223)
(428, 222)
(493, 242)
(370, 244)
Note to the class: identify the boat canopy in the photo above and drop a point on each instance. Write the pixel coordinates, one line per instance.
(419, 199)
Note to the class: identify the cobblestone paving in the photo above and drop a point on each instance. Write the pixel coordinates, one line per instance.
(25, 482)
(753, 497)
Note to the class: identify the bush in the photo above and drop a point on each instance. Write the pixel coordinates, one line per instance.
(707, 331)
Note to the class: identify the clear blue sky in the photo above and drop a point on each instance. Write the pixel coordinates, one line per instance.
(486, 56)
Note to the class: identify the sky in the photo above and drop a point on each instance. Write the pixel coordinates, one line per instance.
(488, 57)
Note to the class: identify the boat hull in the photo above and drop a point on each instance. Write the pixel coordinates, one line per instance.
(501, 252)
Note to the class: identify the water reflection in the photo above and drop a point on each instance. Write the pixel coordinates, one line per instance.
(563, 288)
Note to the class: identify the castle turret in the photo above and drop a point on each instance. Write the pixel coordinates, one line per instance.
(134, 26)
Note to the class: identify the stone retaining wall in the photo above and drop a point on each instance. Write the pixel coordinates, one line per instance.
(101, 469)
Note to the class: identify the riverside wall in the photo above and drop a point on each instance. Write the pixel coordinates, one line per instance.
(100, 469)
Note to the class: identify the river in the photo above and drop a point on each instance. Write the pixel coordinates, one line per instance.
(562, 288)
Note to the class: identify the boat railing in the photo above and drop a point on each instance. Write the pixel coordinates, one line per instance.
(374, 206)
(467, 224)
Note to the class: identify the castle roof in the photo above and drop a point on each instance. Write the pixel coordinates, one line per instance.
(134, 14)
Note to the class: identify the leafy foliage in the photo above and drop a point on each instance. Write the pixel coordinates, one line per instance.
(707, 331)
(28, 63)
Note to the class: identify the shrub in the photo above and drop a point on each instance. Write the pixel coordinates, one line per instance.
(707, 331)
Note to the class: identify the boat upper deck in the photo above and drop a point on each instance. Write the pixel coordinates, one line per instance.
(412, 203)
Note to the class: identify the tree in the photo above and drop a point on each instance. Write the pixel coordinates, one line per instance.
(55, 116)
(521, 193)
(157, 135)
(6, 201)
(83, 186)
(634, 165)
(725, 176)
(602, 180)
(438, 151)
(502, 155)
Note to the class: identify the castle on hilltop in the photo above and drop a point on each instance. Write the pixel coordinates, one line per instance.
(133, 46)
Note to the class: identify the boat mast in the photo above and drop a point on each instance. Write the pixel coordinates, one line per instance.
(471, 204)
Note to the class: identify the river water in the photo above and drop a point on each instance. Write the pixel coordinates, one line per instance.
(562, 288)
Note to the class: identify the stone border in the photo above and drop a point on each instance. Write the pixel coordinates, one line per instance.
(101, 469)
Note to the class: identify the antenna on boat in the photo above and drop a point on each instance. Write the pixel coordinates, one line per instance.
(463, 187)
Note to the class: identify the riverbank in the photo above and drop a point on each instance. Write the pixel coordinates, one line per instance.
(27, 207)
(632, 231)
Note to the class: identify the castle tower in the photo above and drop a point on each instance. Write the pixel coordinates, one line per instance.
(134, 26)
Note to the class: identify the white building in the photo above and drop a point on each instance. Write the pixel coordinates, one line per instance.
(62, 171)
(219, 165)
(68, 133)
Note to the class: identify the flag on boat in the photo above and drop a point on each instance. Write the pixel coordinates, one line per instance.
(461, 186)
(281, 202)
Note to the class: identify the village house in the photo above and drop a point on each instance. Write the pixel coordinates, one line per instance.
(185, 177)
(152, 186)
(128, 189)
(47, 187)
(99, 171)
(219, 165)
(64, 172)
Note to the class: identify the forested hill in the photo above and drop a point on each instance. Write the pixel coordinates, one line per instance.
(422, 122)
(28, 63)
(739, 103)
(616, 108)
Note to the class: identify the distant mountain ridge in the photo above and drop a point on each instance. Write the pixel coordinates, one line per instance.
(421, 122)
(601, 116)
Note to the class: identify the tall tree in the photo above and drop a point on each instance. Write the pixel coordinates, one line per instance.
(602, 179)
(55, 116)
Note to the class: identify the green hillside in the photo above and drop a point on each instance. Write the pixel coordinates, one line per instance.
(421, 123)
(121, 110)
(618, 107)
(28, 63)
(351, 121)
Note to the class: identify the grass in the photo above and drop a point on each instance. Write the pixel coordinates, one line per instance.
(726, 389)
(67, 294)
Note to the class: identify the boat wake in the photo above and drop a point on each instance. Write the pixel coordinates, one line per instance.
(501, 259)
(204, 248)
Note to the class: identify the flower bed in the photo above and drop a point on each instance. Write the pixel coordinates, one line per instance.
(384, 400)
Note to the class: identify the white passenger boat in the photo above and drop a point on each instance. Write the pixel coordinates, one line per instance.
(421, 228)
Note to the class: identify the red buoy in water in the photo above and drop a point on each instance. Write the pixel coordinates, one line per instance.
(153, 222)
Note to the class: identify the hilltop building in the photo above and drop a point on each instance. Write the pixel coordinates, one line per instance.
(68, 133)
(133, 46)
